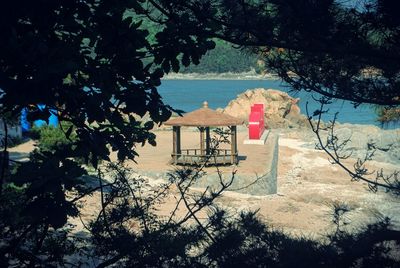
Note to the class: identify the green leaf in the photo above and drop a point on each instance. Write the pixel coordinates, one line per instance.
(185, 60)
(166, 67)
(175, 65)
(69, 131)
(148, 125)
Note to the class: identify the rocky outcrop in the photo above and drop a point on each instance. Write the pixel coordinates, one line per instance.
(281, 110)
(365, 139)
(360, 141)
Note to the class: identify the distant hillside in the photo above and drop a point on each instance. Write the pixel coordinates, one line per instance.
(224, 58)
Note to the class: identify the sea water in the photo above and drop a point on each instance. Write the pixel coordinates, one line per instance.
(188, 95)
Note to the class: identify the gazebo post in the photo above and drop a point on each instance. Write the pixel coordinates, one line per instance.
(178, 140)
(174, 144)
(233, 145)
(208, 140)
(201, 141)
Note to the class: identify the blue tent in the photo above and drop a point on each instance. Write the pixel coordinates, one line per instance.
(25, 124)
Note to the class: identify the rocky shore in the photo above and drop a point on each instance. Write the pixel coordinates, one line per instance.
(282, 112)
(251, 75)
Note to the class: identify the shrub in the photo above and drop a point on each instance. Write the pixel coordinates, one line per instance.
(50, 138)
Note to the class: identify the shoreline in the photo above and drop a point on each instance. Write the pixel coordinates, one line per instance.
(251, 75)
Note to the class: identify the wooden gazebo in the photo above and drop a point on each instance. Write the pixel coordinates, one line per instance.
(203, 119)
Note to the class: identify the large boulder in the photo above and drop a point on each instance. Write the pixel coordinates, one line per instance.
(281, 110)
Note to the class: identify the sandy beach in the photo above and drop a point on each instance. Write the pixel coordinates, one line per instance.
(308, 186)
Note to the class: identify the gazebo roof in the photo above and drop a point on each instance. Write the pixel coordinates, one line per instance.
(204, 117)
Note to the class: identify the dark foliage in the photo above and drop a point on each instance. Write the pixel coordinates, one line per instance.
(342, 49)
(96, 65)
(128, 232)
(85, 60)
(89, 62)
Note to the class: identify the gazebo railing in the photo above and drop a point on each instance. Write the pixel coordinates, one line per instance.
(197, 156)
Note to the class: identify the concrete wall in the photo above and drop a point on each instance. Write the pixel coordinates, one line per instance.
(253, 184)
